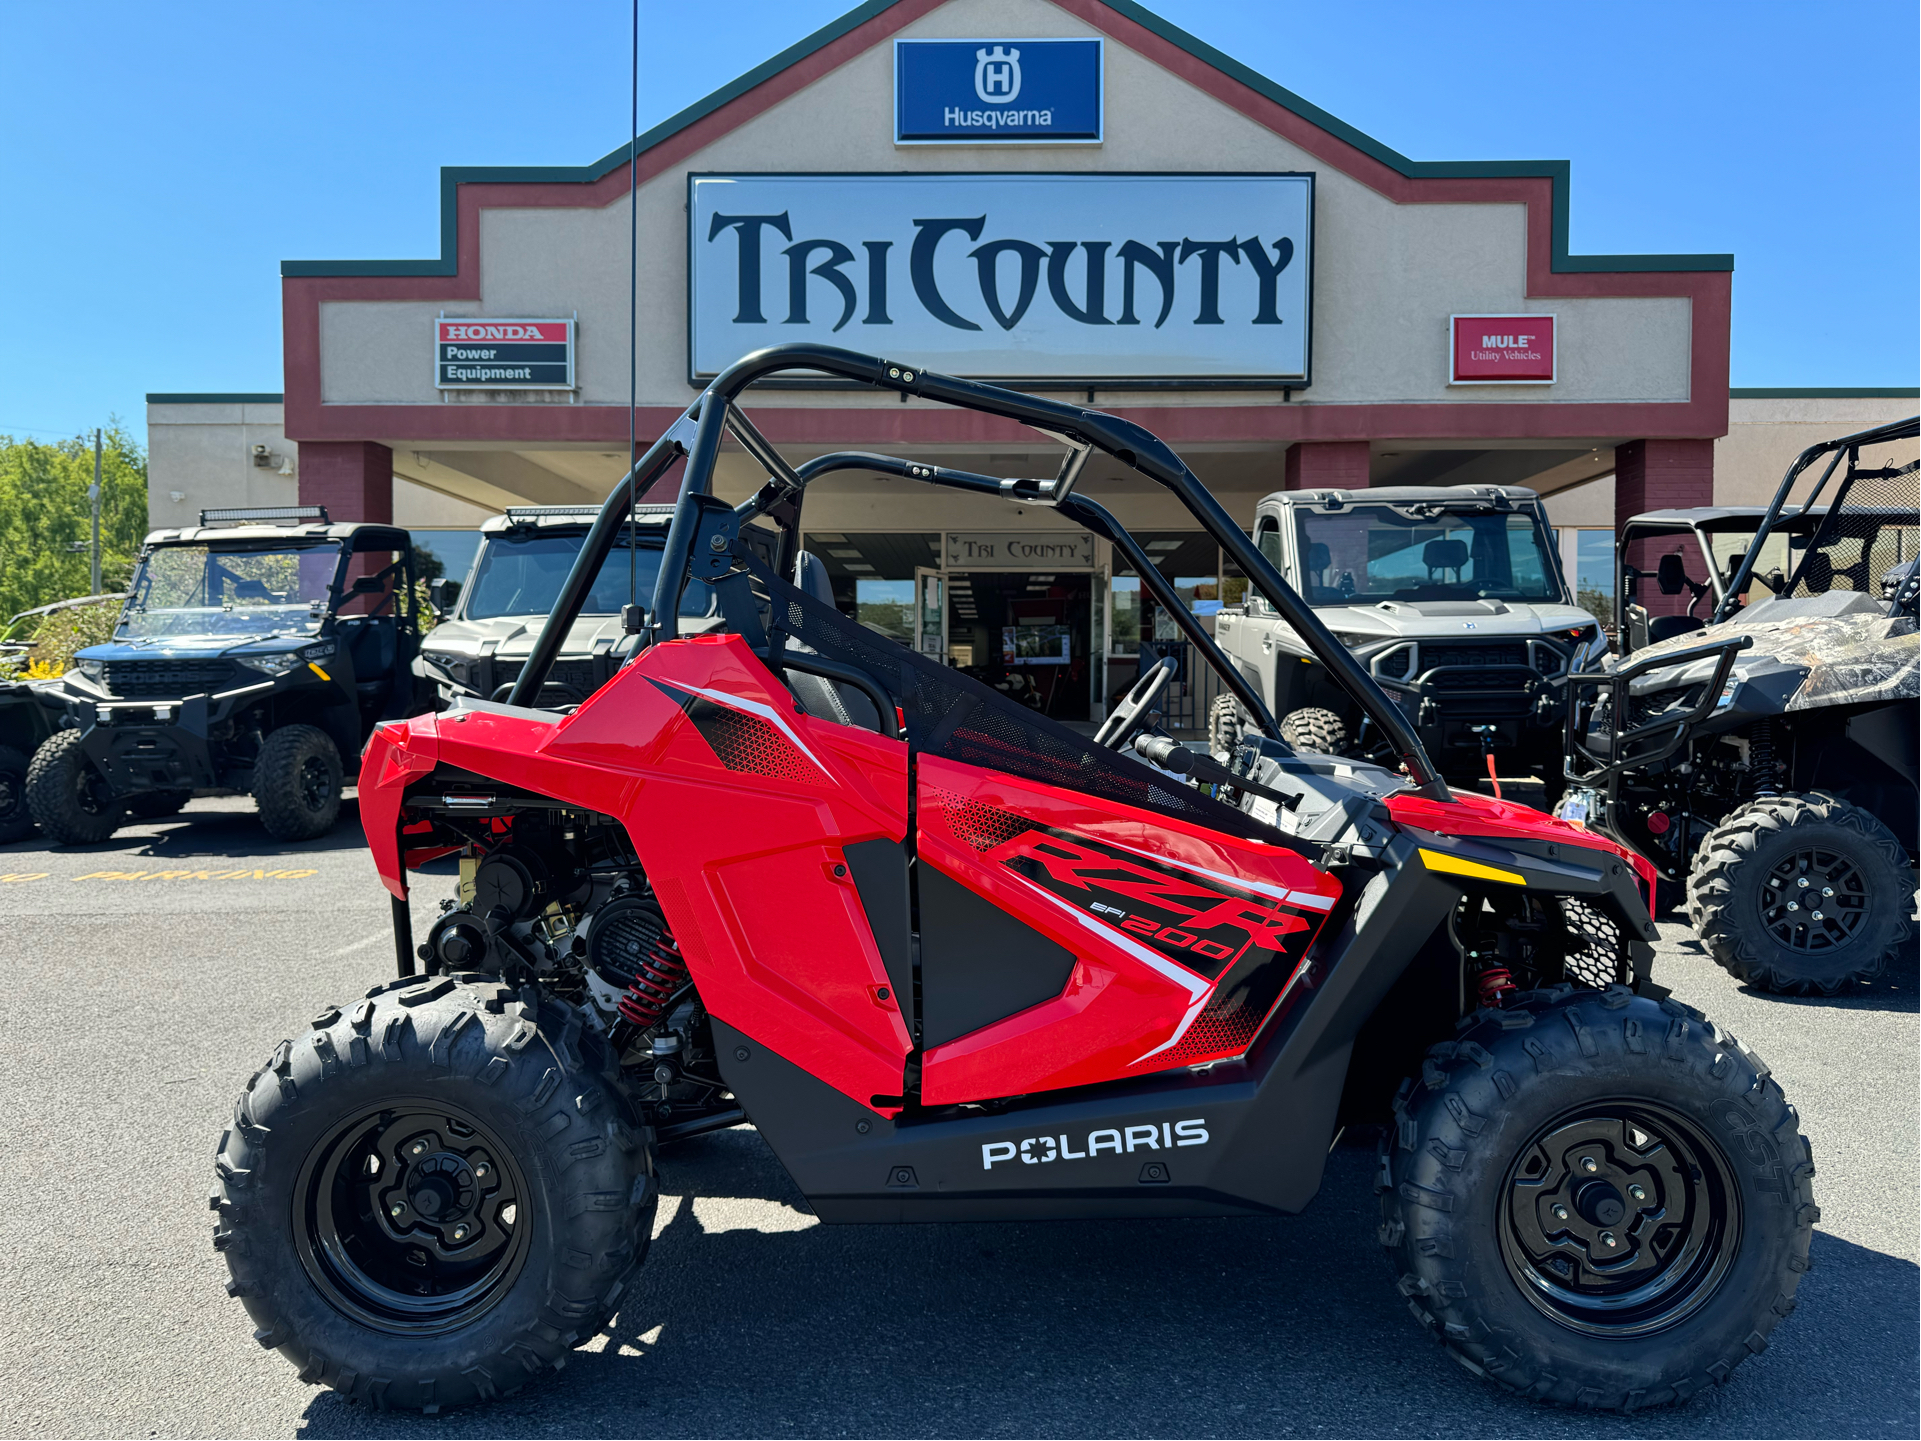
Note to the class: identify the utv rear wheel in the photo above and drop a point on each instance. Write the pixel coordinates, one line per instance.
(68, 796)
(296, 783)
(16, 820)
(1225, 721)
(429, 1199)
(1801, 894)
(156, 805)
(1316, 731)
(1596, 1199)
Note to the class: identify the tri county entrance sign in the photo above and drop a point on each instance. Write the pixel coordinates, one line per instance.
(1075, 278)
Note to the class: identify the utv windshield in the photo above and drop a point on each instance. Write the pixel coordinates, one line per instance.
(234, 590)
(522, 575)
(1365, 553)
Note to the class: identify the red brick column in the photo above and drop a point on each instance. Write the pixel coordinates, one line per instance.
(354, 479)
(1663, 475)
(1326, 465)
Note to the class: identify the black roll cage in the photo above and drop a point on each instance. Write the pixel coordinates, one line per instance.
(698, 434)
(1848, 446)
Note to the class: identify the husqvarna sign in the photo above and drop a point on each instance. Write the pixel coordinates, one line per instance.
(970, 91)
(1077, 278)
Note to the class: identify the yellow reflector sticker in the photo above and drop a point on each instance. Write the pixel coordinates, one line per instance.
(318, 671)
(1455, 865)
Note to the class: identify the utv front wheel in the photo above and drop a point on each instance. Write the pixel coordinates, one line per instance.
(429, 1199)
(68, 796)
(16, 820)
(1315, 731)
(1801, 894)
(296, 783)
(1597, 1200)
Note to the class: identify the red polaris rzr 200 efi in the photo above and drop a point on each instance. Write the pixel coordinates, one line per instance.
(957, 962)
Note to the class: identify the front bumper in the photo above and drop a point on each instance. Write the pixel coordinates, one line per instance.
(149, 745)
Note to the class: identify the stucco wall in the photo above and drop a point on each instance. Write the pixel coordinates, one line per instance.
(1386, 276)
(205, 452)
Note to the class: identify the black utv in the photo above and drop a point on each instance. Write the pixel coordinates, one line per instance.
(254, 652)
(1758, 742)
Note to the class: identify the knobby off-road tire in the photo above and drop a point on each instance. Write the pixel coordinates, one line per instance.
(1224, 724)
(67, 796)
(157, 805)
(1315, 731)
(296, 783)
(1849, 918)
(446, 1136)
(16, 819)
(1497, 1131)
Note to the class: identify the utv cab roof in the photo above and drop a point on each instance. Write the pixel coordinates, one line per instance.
(1498, 496)
(284, 522)
(1746, 517)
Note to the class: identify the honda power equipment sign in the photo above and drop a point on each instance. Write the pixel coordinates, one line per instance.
(1070, 278)
(1501, 350)
(969, 91)
(474, 353)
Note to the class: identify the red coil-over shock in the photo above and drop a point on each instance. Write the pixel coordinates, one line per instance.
(1495, 982)
(658, 973)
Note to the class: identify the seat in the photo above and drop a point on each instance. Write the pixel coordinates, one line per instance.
(1444, 555)
(371, 641)
(822, 698)
(1667, 627)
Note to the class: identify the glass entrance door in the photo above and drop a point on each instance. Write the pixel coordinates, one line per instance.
(930, 614)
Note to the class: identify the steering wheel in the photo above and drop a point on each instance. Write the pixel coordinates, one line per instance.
(1118, 729)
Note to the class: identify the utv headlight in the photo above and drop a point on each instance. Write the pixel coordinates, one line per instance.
(455, 666)
(93, 670)
(276, 664)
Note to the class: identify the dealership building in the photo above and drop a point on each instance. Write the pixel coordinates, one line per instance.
(1074, 197)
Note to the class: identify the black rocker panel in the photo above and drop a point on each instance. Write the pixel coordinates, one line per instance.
(978, 964)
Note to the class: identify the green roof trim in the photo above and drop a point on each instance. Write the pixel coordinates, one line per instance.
(1825, 392)
(1556, 171)
(215, 397)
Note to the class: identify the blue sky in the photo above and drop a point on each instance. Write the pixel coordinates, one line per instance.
(158, 162)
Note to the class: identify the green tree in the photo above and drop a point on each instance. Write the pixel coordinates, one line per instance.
(44, 510)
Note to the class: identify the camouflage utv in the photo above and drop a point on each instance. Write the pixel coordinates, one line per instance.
(1763, 756)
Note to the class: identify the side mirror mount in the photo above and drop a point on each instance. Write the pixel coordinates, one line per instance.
(633, 619)
(443, 593)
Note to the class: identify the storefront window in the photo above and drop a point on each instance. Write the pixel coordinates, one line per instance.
(1126, 591)
(886, 606)
(1594, 574)
(872, 574)
(444, 552)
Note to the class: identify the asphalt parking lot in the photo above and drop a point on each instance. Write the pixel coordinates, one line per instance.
(147, 976)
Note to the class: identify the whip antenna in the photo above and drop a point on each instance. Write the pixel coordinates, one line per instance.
(633, 308)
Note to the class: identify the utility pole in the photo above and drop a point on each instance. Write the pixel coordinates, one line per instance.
(93, 494)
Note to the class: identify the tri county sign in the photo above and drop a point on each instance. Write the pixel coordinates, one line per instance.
(1076, 279)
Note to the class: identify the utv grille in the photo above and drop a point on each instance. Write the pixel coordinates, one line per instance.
(1465, 662)
(168, 679)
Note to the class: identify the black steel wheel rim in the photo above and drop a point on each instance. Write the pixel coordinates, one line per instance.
(12, 798)
(1815, 900)
(315, 783)
(412, 1218)
(1619, 1219)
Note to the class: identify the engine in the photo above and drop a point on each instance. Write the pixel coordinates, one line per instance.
(557, 900)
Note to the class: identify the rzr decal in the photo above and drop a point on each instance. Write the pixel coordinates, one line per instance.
(1207, 926)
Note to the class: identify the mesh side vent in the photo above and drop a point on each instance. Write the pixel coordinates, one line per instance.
(748, 743)
(982, 826)
(1597, 951)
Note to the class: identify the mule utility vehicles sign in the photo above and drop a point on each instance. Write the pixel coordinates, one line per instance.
(959, 963)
